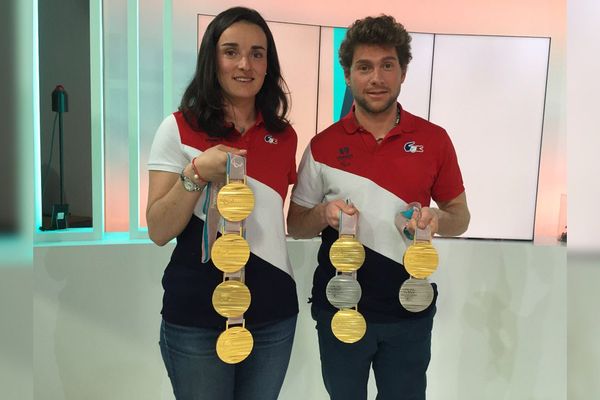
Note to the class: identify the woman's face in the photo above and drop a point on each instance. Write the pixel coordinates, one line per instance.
(242, 61)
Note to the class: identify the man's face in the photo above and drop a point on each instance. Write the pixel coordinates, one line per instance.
(375, 77)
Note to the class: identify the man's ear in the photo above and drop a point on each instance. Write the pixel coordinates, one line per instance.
(403, 74)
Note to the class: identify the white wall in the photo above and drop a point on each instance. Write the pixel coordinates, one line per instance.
(16, 332)
(500, 330)
(583, 87)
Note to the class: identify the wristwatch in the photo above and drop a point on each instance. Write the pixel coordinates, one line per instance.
(189, 184)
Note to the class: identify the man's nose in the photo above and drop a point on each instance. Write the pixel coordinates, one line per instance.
(377, 76)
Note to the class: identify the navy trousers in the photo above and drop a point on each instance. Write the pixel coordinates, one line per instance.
(398, 352)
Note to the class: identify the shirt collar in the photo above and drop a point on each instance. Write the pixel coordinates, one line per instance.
(406, 125)
(259, 119)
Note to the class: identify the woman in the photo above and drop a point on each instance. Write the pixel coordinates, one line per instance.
(235, 103)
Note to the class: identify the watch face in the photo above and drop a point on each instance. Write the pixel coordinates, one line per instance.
(189, 185)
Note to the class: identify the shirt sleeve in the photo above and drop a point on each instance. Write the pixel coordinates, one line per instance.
(293, 174)
(449, 182)
(308, 191)
(166, 153)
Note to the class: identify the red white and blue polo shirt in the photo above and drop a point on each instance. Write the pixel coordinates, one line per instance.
(270, 168)
(415, 161)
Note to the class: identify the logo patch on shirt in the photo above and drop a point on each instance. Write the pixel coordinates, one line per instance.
(270, 139)
(411, 147)
(344, 156)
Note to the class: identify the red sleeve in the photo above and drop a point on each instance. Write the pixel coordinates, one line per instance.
(293, 174)
(448, 184)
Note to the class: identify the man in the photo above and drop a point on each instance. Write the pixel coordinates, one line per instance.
(381, 158)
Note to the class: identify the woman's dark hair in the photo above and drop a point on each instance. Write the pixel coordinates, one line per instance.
(202, 103)
(380, 31)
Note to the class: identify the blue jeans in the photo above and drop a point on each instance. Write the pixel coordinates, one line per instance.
(399, 353)
(197, 373)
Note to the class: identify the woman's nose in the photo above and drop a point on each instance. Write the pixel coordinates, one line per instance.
(244, 65)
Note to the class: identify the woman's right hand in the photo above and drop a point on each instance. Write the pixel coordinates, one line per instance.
(170, 207)
(212, 164)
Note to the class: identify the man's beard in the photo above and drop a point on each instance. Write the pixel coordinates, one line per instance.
(364, 104)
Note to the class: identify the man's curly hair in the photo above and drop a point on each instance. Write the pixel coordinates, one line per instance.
(380, 31)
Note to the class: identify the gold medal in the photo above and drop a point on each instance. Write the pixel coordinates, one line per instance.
(230, 252)
(231, 298)
(234, 344)
(235, 201)
(348, 325)
(347, 254)
(421, 259)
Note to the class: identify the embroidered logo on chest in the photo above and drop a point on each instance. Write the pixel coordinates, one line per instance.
(344, 156)
(411, 147)
(270, 139)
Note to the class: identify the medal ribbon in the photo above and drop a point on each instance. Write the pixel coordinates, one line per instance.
(231, 251)
(343, 291)
(211, 219)
(420, 261)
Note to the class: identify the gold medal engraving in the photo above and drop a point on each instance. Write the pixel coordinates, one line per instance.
(421, 259)
(235, 201)
(347, 254)
(230, 252)
(348, 325)
(231, 298)
(234, 345)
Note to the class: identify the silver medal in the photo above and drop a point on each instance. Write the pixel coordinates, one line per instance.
(343, 291)
(416, 294)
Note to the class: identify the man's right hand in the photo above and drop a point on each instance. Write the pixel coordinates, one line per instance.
(331, 212)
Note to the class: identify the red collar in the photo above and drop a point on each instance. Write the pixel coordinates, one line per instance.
(259, 121)
(407, 123)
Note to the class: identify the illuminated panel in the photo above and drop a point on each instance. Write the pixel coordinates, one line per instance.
(298, 50)
(414, 95)
(150, 92)
(116, 155)
(488, 92)
(327, 60)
